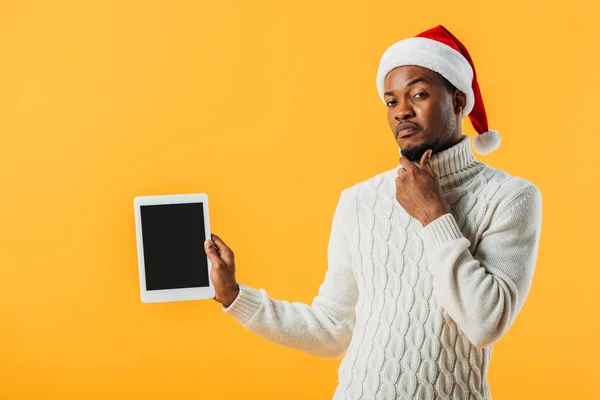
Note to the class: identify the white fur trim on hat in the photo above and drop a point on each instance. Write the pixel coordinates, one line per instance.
(431, 54)
(486, 142)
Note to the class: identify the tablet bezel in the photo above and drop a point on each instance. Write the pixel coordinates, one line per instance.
(168, 295)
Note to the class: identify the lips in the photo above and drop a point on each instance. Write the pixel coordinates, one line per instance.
(406, 129)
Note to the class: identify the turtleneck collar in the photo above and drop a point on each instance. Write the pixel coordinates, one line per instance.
(455, 165)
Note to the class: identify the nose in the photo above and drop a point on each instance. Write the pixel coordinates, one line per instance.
(404, 110)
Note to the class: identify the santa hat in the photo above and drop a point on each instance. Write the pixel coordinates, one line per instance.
(439, 50)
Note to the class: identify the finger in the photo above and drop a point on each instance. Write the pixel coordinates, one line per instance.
(218, 241)
(425, 164)
(424, 158)
(407, 164)
(224, 251)
(211, 252)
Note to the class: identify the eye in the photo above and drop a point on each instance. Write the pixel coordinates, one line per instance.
(391, 101)
(423, 95)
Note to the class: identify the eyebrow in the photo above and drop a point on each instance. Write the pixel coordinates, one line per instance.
(414, 81)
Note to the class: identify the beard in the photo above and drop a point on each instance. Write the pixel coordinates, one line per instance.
(415, 152)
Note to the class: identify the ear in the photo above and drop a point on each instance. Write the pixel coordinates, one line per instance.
(460, 100)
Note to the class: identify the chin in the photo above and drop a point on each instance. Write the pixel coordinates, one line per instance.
(410, 142)
(414, 152)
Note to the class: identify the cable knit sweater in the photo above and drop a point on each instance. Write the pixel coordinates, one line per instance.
(414, 310)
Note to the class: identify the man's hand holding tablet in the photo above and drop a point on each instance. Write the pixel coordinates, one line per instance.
(222, 273)
(172, 263)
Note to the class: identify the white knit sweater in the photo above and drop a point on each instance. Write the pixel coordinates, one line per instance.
(415, 310)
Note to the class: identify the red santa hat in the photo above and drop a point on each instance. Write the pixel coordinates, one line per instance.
(439, 50)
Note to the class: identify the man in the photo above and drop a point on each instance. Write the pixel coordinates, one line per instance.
(429, 263)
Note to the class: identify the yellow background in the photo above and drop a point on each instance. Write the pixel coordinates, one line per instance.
(271, 108)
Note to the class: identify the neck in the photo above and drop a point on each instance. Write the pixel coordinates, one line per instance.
(453, 141)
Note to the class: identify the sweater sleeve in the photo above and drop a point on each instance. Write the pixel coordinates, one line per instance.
(323, 328)
(483, 292)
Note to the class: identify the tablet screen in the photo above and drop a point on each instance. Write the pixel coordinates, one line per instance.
(173, 237)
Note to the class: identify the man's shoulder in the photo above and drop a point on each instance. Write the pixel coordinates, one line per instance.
(502, 189)
(508, 187)
(379, 185)
(375, 181)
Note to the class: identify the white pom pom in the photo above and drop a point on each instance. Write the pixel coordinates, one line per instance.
(486, 142)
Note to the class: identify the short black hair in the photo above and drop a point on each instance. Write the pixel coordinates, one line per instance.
(451, 88)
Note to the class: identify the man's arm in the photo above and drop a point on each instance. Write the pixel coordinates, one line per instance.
(484, 292)
(323, 328)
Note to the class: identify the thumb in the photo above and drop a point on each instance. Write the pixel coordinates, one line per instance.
(425, 164)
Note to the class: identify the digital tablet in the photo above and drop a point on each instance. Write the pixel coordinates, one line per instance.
(170, 233)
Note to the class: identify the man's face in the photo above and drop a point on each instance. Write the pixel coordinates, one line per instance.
(417, 97)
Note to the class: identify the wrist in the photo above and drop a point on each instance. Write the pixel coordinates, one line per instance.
(429, 218)
(228, 299)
